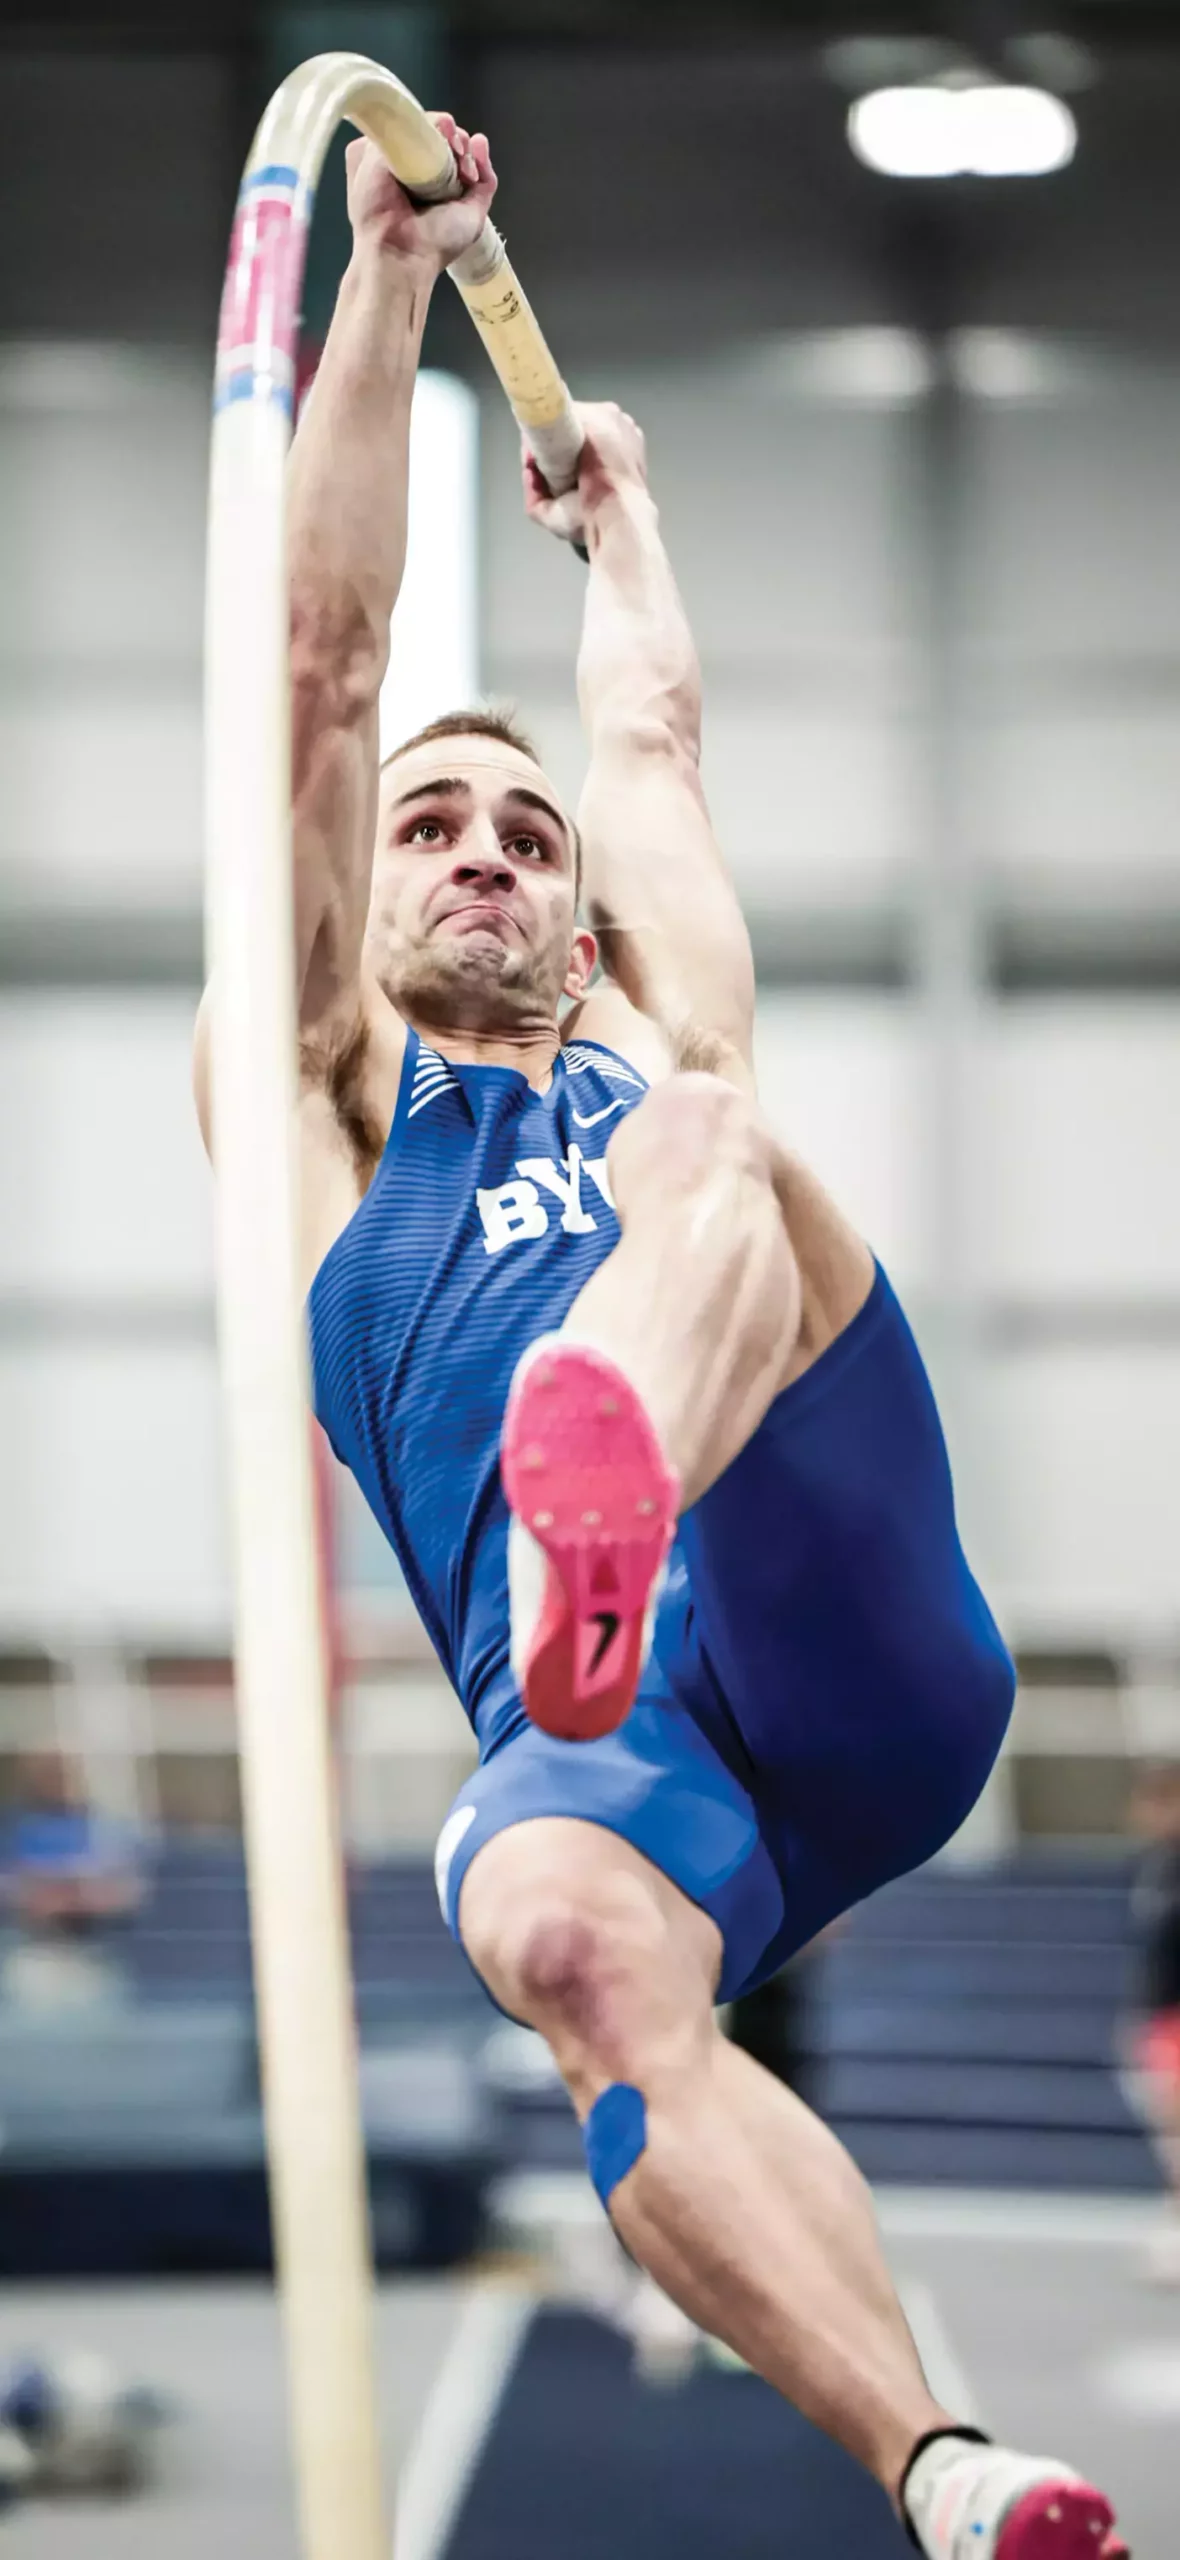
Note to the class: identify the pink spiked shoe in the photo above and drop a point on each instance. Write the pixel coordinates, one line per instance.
(594, 1495)
(1062, 2521)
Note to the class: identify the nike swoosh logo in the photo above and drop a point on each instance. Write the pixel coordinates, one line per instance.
(589, 1119)
(608, 1626)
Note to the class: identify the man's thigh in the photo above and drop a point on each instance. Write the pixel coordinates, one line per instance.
(658, 1784)
(834, 1610)
(836, 1267)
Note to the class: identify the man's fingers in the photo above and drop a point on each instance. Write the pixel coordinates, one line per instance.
(472, 156)
(561, 516)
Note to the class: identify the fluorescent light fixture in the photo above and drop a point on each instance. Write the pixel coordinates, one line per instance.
(982, 130)
(434, 642)
(1014, 366)
(1017, 133)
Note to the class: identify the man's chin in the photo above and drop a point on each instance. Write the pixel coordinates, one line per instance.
(469, 973)
(478, 953)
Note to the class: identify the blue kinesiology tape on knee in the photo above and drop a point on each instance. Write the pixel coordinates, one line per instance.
(615, 2137)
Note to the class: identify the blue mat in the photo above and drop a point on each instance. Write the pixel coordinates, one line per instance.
(585, 2463)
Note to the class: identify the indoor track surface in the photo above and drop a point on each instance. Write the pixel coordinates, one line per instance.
(522, 2434)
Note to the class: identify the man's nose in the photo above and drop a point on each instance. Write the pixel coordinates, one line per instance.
(483, 860)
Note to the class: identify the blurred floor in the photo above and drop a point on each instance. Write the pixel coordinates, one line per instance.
(225, 2483)
(1034, 2308)
(1065, 2348)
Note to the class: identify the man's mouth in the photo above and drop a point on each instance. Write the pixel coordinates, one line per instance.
(481, 911)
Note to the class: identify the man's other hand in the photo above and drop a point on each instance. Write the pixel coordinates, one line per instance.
(613, 458)
(429, 236)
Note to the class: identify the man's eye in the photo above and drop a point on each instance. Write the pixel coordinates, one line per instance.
(427, 831)
(529, 845)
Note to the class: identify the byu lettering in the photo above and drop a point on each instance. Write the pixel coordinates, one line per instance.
(514, 1212)
(566, 1187)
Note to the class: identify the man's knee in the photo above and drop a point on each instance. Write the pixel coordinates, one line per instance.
(589, 1973)
(578, 1964)
(694, 1129)
(594, 1962)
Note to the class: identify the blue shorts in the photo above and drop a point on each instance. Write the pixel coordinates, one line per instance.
(827, 1690)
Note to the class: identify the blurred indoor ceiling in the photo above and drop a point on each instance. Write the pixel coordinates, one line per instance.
(913, 34)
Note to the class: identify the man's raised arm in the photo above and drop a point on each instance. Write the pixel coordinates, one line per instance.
(347, 496)
(658, 893)
(346, 538)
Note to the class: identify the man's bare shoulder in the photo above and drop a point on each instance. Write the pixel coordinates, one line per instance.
(605, 1015)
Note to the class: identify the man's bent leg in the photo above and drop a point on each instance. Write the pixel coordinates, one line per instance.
(666, 1364)
(700, 1302)
(737, 2200)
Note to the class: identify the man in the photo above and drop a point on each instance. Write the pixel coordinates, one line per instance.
(583, 1241)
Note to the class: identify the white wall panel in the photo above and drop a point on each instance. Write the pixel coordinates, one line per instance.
(103, 464)
(1073, 530)
(105, 1186)
(839, 1079)
(101, 794)
(1079, 798)
(1075, 1196)
(110, 1493)
(813, 805)
(1075, 1490)
(103, 461)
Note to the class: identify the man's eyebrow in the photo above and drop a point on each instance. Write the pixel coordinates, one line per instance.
(533, 800)
(446, 786)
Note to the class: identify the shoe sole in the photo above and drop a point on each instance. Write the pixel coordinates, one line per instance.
(1062, 2520)
(585, 1474)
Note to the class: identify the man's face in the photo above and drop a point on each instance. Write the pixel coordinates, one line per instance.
(471, 920)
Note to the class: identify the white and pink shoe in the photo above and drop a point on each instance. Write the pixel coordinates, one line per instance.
(977, 2502)
(594, 1506)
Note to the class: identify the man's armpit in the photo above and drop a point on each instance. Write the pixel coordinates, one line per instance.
(696, 1051)
(337, 1069)
(648, 972)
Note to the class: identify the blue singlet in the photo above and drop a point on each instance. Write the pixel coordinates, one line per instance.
(827, 1689)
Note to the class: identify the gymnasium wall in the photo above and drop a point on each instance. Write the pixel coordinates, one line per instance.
(939, 613)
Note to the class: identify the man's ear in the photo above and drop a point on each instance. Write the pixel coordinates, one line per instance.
(582, 962)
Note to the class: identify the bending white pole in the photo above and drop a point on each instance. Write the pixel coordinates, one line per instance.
(296, 1892)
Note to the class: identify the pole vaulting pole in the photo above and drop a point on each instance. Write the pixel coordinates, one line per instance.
(293, 1851)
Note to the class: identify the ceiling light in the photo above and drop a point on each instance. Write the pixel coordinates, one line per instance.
(977, 130)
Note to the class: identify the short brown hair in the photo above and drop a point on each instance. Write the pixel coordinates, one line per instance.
(486, 722)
